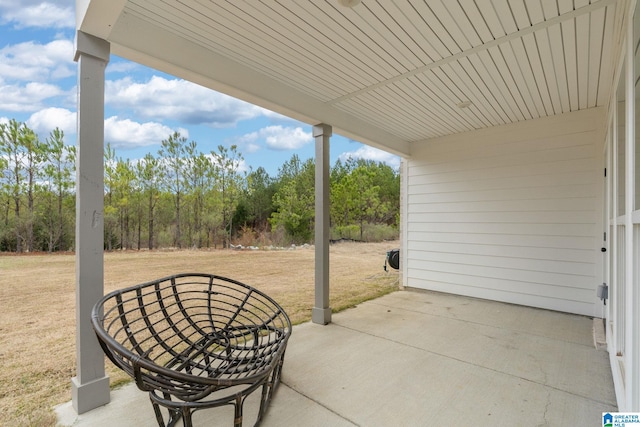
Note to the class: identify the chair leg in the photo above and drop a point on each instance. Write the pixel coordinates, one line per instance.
(175, 414)
(186, 417)
(159, 418)
(264, 400)
(237, 422)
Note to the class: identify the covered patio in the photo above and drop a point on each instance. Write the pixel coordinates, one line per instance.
(519, 184)
(421, 358)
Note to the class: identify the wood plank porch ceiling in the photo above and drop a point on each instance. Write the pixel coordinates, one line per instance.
(403, 66)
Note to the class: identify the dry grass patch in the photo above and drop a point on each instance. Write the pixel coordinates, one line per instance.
(37, 296)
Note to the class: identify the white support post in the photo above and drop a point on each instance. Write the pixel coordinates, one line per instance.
(632, 367)
(90, 386)
(404, 220)
(321, 312)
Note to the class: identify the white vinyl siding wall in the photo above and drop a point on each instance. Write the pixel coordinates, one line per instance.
(511, 213)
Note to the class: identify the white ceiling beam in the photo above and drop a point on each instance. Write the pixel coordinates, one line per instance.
(518, 34)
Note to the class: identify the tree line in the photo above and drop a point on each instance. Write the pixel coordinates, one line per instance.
(181, 197)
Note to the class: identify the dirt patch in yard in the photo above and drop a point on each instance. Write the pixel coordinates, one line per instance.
(37, 301)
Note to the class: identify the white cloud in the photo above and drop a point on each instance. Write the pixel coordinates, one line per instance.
(40, 14)
(175, 99)
(285, 138)
(35, 62)
(44, 121)
(129, 134)
(370, 153)
(277, 138)
(240, 164)
(251, 148)
(26, 98)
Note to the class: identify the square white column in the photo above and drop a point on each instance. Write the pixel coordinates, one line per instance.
(321, 312)
(90, 386)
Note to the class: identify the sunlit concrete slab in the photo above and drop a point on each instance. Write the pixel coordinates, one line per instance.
(131, 407)
(415, 359)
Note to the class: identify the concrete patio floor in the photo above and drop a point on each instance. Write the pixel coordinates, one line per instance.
(419, 359)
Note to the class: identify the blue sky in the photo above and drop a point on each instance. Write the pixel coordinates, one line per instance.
(142, 106)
